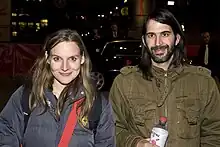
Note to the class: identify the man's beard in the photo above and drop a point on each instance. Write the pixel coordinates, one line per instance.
(163, 48)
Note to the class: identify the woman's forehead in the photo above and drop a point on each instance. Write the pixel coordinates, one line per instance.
(66, 49)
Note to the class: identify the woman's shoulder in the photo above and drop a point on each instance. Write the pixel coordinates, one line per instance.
(103, 98)
(17, 94)
(100, 104)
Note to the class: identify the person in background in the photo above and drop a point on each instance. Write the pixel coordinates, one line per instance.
(61, 86)
(208, 55)
(115, 33)
(96, 34)
(164, 84)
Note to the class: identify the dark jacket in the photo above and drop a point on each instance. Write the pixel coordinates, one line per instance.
(45, 130)
(213, 58)
(187, 96)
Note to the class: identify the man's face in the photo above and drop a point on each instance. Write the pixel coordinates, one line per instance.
(206, 37)
(160, 40)
(114, 27)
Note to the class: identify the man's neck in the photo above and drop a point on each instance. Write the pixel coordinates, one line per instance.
(164, 65)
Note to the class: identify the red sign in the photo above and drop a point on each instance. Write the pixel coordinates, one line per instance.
(128, 62)
(17, 59)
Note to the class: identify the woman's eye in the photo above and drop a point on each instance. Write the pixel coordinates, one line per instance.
(56, 58)
(73, 58)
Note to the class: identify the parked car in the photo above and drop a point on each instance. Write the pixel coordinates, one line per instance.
(113, 56)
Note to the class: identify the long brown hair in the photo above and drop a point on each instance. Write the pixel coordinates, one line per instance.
(43, 79)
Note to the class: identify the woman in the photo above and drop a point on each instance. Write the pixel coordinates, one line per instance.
(61, 86)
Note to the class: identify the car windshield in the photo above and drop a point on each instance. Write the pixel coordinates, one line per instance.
(129, 48)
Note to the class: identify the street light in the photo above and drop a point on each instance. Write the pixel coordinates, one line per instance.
(170, 3)
(183, 27)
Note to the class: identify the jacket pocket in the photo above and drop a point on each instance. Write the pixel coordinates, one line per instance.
(188, 111)
(143, 110)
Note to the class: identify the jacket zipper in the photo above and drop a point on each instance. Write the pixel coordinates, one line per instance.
(165, 84)
(166, 107)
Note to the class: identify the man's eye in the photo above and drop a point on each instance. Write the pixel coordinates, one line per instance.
(165, 34)
(150, 35)
(56, 58)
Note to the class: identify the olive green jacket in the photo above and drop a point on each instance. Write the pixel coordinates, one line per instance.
(188, 96)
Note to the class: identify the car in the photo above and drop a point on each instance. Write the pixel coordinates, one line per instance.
(113, 56)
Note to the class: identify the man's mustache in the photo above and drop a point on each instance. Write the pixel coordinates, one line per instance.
(159, 47)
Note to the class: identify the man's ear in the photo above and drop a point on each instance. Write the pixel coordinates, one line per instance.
(178, 37)
(143, 40)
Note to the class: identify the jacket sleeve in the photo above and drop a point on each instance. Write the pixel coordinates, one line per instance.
(210, 127)
(11, 121)
(105, 133)
(126, 136)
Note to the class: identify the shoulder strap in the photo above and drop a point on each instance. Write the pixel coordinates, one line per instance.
(70, 125)
(95, 113)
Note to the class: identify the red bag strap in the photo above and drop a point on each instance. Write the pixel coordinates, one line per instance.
(70, 125)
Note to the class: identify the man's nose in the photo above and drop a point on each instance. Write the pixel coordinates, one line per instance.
(158, 40)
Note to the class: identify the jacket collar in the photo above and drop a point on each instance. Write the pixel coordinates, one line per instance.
(79, 94)
(172, 72)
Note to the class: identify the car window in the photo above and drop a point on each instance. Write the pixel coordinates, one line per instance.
(122, 48)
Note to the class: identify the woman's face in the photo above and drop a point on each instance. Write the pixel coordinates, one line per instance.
(65, 61)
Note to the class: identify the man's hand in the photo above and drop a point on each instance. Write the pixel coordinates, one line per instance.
(145, 143)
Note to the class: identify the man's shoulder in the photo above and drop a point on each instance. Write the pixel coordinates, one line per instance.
(198, 70)
(127, 73)
(127, 70)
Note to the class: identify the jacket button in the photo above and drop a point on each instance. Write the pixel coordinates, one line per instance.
(200, 69)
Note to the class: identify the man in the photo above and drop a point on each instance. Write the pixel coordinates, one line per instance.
(114, 29)
(208, 55)
(163, 84)
(115, 33)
